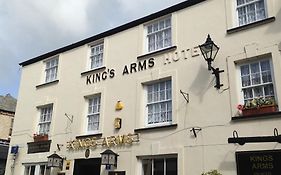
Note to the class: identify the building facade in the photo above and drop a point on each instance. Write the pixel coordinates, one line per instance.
(143, 90)
(7, 112)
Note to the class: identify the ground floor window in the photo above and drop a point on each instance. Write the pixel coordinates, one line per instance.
(37, 169)
(160, 166)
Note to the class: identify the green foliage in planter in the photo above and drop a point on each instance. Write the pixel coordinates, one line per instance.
(212, 172)
(258, 102)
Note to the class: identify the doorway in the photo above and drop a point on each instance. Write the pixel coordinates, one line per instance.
(87, 166)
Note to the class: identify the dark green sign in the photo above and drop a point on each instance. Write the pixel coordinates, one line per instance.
(264, 162)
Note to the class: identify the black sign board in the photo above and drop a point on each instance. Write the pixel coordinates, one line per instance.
(264, 162)
(117, 173)
(38, 147)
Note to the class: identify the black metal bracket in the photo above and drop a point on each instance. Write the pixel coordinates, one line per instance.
(195, 130)
(242, 140)
(185, 96)
(216, 72)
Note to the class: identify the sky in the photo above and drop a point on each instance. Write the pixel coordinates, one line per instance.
(31, 28)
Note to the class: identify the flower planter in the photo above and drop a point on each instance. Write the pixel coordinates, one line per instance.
(39, 138)
(259, 110)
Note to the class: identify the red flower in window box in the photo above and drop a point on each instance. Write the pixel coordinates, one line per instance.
(40, 137)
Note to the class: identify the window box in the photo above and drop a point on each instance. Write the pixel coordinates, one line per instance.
(40, 137)
(259, 110)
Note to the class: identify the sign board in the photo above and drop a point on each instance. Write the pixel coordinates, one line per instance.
(38, 147)
(117, 173)
(263, 162)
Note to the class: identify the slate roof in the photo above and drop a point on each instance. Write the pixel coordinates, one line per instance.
(8, 103)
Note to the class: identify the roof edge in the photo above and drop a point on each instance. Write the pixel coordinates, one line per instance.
(113, 31)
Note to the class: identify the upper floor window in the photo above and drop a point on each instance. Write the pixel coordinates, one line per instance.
(159, 102)
(96, 56)
(45, 119)
(159, 34)
(249, 11)
(93, 117)
(51, 69)
(256, 78)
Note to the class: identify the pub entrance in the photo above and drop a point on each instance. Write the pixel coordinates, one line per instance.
(87, 166)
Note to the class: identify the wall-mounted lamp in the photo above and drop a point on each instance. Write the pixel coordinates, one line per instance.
(209, 51)
(109, 158)
(55, 160)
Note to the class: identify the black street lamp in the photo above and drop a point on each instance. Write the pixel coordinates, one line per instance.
(209, 51)
(109, 158)
(55, 160)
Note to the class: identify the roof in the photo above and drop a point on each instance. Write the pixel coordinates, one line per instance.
(113, 31)
(8, 103)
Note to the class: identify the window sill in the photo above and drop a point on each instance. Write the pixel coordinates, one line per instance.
(47, 84)
(169, 126)
(89, 135)
(157, 52)
(93, 70)
(251, 25)
(257, 116)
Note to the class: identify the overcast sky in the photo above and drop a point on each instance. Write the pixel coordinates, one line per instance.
(31, 28)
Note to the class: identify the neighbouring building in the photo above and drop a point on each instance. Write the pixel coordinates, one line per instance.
(143, 95)
(7, 112)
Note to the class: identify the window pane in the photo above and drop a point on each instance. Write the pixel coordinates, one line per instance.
(268, 90)
(32, 170)
(158, 168)
(159, 34)
(258, 92)
(147, 167)
(171, 166)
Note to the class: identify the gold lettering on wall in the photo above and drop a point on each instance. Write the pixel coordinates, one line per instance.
(93, 142)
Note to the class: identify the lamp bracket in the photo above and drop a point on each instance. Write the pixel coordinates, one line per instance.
(70, 118)
(257, 139)
(216, 72)
(195, 131)
(185, 96)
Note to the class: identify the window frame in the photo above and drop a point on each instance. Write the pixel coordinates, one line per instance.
(44, 122)
(249, 62)
(146, 34)
(37, 169)
(96, 113)
(91, 55)
(153, 158)
(166, 101)
(48, 76)
(236, 7)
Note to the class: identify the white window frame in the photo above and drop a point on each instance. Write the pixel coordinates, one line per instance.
(51, 69)
(156, 103)
(247, 4)
(262, 84)
(37, 169)
(96, 55)
(93, 111)
(45, 119)
(153, 158)
(167, 27)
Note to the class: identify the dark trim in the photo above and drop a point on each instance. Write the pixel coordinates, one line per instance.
(113, 31)
(171, 126)
(257, 116)
(89, 135)
(157, 52)
(7, 111)
(93, 70)
(258, 139)
(46, 84)
(251, 25)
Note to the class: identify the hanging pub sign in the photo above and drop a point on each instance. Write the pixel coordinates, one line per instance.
(265, 162)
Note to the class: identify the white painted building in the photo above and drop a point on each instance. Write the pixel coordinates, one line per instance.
(144, 91)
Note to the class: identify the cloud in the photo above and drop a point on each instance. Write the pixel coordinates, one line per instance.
(34, 27)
